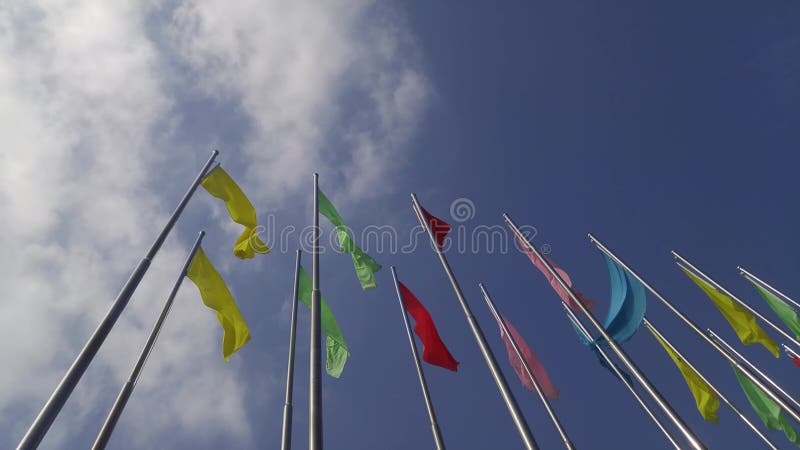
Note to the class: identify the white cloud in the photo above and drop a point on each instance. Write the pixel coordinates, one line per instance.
(87, 112)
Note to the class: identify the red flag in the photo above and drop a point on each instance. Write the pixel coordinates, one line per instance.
(589, 303)
(439, 227)
(795, 360)
(433, 349)
(537, 369)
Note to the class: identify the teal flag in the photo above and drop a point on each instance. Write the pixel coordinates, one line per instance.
(336, 349)
(364, 264)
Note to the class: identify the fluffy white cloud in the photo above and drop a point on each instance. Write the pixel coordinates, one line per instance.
(89, 116)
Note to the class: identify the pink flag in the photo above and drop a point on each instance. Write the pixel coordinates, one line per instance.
(589, 303)
(533, 363)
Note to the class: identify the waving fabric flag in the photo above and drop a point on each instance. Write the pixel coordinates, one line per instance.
(739, 318)
(439, 227)
(628, 303)
(219, 184)
(433, 349)
(767, 409)
(215, 295)
(336, 351)
(538, 371)
(554, 282)
(786, 313)
(705, 397)
(364, 264)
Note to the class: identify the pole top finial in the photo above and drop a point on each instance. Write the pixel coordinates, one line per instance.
(215, 152)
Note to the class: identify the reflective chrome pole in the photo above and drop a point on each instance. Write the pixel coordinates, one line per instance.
(486, 351)
(564, 437)
(754, 279)
(286, 434)
(790, 352)
(585, 333)
(437, 434)
(50, 410)
(747, 372)
(752, 367)
(127, 388)
(315, 369)
(640, 377)
(744, 305)
(721, 396)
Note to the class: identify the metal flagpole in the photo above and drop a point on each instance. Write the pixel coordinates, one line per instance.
(127, 389)
(748, 373)
(315, 366)
(789, 351)
(579, 326)
(765, 285)
(780, 331)
(437, 434)
(50, 410)
(640, 377)
(488, 356)
(721, 396)
(752, 367)
(564, 437)
(286, 434)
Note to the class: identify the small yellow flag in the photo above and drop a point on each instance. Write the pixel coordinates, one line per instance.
(219, 184)
(740, 319)
(707, 401)
(215, 295)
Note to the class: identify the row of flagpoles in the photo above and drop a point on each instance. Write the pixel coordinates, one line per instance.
(626, 314)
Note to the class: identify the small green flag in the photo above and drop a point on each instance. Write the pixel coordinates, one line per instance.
(336, 349)
(364, 264)
(786, 313)
(767, 409)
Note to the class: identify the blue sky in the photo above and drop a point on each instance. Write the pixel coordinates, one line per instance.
(655, 127)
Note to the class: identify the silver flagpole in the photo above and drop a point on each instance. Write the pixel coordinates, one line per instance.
(623, 356)
(752, 367)
(127, 388)
(50, 410)
(315, 376)
(286, 434)
(765, 285)
(744, 305)
(789, 351)
(585, 333)
(488, 356)
(750, 375)
(437, 434)
(564, 437)
(721, 396)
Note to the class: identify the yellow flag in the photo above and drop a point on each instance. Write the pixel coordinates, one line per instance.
(219, 184)
(707, 401)
(215, 295)
(740, 319)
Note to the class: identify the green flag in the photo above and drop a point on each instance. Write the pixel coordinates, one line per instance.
(364, 264)
(767, 409)
(786, 313)
(336, 349)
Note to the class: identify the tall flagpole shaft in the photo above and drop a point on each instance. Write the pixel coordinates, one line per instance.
(437, 434)
(315, 366)
(754, 279)
(488, 356)
(561, 432)
(50, 410)
(721, 396)
(790, 352)
(286, 434)
(752, 367)
(586, 335)
(744, 305)
(623, 356)
(127, 389)
(747, 372)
